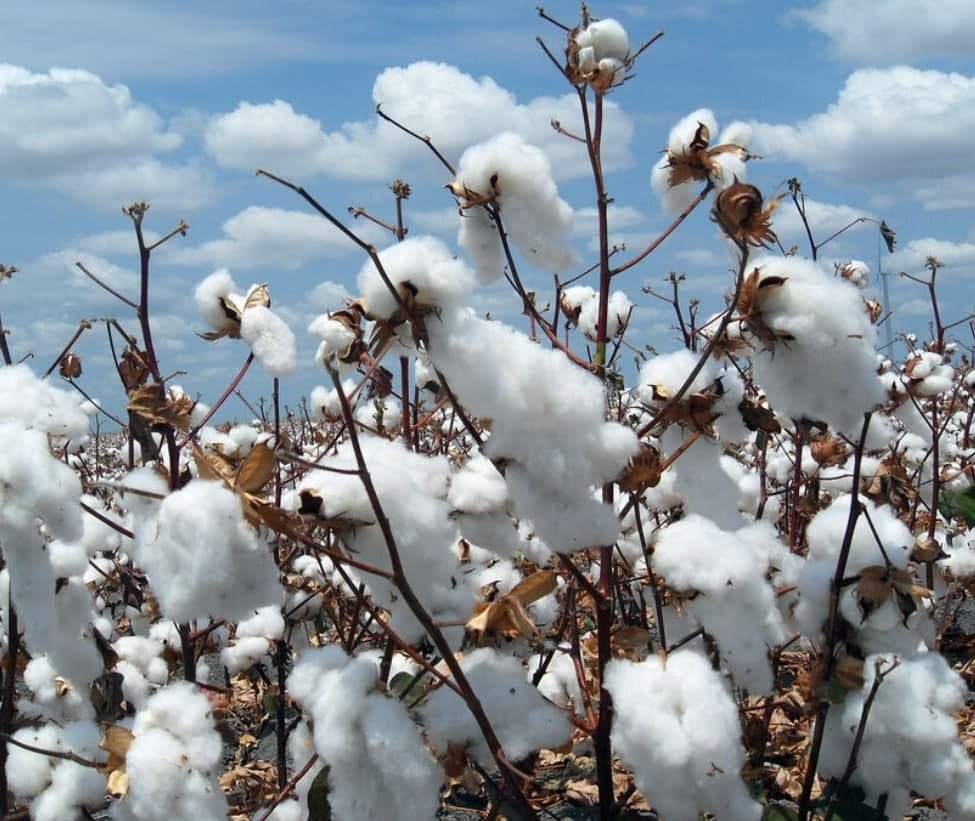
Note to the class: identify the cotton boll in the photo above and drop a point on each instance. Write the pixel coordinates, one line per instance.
(27, 772)
(609, 39)
(560, 683)
(202, 557)
(422, 267)
(674, 198)
(682, 133)
(244, 654)
(704, 485)
(381, 415)
(736, 133)
(209, 295)
(663, 375)
(618, 314)
(337, 350)
(736, 604)
(535, 218)
(522, 719)
(271, 340)
(478, 488)
(34, 404)
(822, 366)
(173, 759)
(478, 236)
(687, 703)
(379, 767)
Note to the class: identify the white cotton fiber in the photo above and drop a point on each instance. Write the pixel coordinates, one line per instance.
(535, 218)
(203, 558)
(522, 719)
(677, 728)
(270, 339)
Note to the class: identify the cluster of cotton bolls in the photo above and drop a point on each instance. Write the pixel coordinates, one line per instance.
(202, 557)
(521, 717)
(910, 742)
(173, 760)
(249, 317)
(548, 425)
(735, 603)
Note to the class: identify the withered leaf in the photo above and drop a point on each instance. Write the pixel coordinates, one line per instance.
(256, 469)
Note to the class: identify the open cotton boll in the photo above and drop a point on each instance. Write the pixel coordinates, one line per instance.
(607, 38)
(381, 415)
(478, 487)
(271, 340)
(72, 785)
(911, 739)
(736, 604)
(379, 766)
(522, 719)
(337, 341)
(928, 375)
(519, 177)
(412, 489)
(422, 269)
(702, 481)
(663, 375)
(676, 726)
(617, 316)
(548, 420)
(209, 293)
(33, 403)
(823, 364)
(202, 558)
(173, 760)
(825, 536)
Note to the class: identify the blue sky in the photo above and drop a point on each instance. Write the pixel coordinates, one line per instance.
(872, 106)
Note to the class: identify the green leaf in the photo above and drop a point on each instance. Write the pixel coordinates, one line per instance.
(958, 503)
(401, 684)
(778, 812)
(851, 805)
(318, 807)
(835, 692)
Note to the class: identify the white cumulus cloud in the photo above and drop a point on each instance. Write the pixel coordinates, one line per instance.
(893, 31)
(275, 238)
(436, 99)
(895, 124)
(70, 130)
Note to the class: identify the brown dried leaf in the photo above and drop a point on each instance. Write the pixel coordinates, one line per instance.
(535, 586)
(256, 470)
